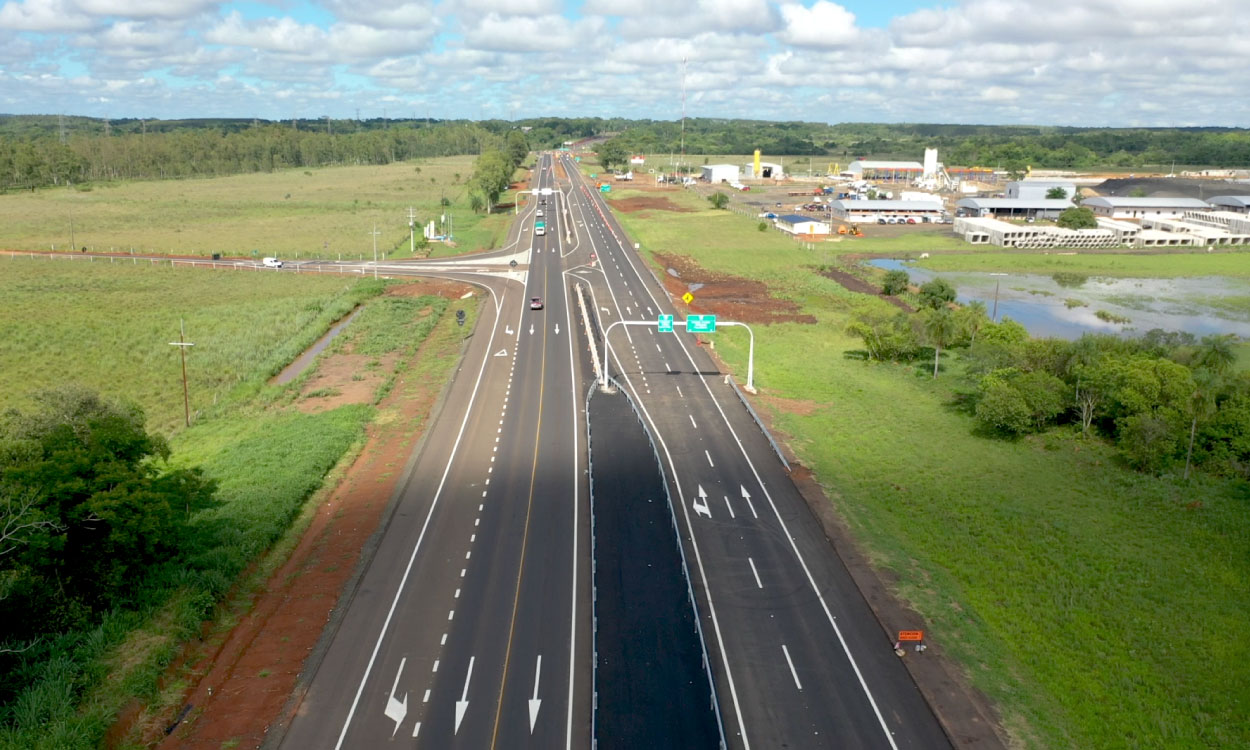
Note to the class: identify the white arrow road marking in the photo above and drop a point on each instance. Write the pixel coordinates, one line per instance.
(649, 312)
(462, 705)
(606, 310)
(535, 702)
(730, 507)
(507, 329)
(557, 329)
(531, 329)
(396, 710)
(747, 497)
(700, 504)
(501, 353)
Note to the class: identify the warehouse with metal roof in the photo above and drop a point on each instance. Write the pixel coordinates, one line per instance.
(872, 210)
(1144, 208)
(1013, 208)
(1238, 203)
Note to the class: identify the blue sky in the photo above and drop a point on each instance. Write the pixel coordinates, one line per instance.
(1093, 63)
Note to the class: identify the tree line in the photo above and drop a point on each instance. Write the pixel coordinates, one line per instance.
(1168, 402)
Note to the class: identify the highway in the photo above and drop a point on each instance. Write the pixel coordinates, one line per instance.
(471, 626)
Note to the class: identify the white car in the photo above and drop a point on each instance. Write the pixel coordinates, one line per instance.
(540, 213)
(271, 262)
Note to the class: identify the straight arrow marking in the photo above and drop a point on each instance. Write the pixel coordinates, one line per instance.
(396, 710)
(747, 497)
(535, 703)
(462, 705)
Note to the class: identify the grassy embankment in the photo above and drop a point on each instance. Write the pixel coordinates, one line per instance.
(295, 213)
(108, 327)
(1096, 606)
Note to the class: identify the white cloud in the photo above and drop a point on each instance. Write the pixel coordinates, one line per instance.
(140, 9)
(42, 16)
(388, 14)
(824, 24)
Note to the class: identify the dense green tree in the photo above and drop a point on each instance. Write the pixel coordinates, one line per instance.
(895, 282)
(1057, 193)
(106, 507)
(518, 148)
(936, 294)
(885, 330)
(718, 200)
(492, 174)
(1077, 217)
(972, 318)
(1001, 407)
(612, 153)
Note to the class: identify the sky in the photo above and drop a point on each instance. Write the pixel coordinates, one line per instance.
(1103, 63)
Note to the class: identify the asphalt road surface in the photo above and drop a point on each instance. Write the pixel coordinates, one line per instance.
(471, 626)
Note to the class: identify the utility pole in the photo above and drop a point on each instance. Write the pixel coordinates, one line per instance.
(71, 233)
(182, 349)
(375, 234)
(683, 112)
(412, 229)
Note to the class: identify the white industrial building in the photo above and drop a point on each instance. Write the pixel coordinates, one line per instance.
(1144, 208)
(768, 170)
(795, 224)
(1037, 189)
(1014, 208)
(1204, 232)
(1195, 229)
(872, 210)
(1238, 203)
(716, 173)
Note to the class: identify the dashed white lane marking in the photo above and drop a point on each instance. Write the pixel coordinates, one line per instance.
(754, 572)
(692, 422)
(468, 554)
(426, 699)
(451, 614)
(462, 571)
(435, 669)
(444, 641)
(793, 673)
(657, 347)
(709, 459)
(679, 393)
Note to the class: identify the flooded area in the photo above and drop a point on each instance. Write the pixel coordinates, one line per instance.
(292, 371)
(1069, 305)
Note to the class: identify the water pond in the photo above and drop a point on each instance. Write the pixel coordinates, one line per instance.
(1068, 305)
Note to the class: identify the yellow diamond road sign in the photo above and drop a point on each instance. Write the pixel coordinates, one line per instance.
(687, 298)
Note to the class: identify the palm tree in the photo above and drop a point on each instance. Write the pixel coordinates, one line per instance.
(1216, 354)
(975, 317)
(940, 327)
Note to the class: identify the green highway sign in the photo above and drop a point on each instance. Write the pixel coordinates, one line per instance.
(701, 323)
(666, 324)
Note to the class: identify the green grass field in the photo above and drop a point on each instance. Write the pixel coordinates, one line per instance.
(1235, 264)
(1097, 607)
(107, 326)
(328, 212)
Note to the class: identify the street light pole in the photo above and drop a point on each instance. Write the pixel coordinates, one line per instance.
(375, 234)
(412, 230)
(182, 349)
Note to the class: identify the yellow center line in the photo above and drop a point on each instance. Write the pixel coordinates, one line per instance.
(516, 600)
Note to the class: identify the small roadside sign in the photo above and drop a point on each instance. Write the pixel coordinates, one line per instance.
(666, 323)
(910, 635)
(687, 298)
(701, 324)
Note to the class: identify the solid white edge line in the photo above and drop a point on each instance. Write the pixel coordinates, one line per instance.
(377, 646)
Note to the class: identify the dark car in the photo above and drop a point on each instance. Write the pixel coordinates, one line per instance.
(536, 303)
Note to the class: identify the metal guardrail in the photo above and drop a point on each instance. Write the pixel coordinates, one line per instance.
(758, 422)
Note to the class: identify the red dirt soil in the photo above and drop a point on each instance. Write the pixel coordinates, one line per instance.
(730, 297)
(646, 203)
(242, 679)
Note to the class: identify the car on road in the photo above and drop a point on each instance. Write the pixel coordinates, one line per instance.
(271, 262)
(540, 213)
(536, 303)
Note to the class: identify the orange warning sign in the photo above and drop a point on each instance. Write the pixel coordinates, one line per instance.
(910, 635)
